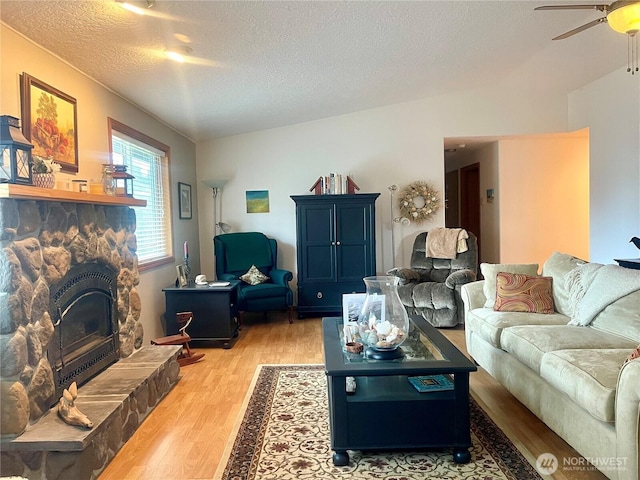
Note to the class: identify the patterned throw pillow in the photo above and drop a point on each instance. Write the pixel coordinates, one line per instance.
(635, 354)
(516, 292)
(254, 276)
(490, 272)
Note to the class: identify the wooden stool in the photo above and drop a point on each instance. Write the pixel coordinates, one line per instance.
(186, 356)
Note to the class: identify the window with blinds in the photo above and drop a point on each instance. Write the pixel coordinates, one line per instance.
(150, 167)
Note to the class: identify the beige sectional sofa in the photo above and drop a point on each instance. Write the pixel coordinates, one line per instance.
(574, 378)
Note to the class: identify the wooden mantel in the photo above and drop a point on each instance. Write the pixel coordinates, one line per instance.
(28, 192)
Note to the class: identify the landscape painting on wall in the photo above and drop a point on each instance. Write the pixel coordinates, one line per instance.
(49, 121)
(257, 201)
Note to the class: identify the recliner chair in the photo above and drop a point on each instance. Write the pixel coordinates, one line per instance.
(431, 286)
(236, 253)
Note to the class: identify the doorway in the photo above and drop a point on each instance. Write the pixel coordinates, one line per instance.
(470, 200)
(462, 191)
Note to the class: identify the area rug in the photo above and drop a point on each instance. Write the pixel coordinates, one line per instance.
(283, 434)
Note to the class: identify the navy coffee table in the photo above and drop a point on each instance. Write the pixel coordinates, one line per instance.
(387, 412)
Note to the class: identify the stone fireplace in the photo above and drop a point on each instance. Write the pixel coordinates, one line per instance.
(69, 309)
(42, 241)
(85, 340)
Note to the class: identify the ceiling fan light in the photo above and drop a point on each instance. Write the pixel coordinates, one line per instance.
(179, 53)
(624, 17)
(136, 6)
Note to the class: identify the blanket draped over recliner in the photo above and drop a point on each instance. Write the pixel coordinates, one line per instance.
(446, 242)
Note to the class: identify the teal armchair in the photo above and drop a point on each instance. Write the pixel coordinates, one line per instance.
(236, 253)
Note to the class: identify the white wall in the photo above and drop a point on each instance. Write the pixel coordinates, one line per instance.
(543, 197)
(94, 104)
(397, 144)
(610, 107)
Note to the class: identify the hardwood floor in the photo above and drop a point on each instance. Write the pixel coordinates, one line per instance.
(185, 436)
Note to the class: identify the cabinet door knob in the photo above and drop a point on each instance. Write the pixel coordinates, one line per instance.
(319, 295)
(333, 243)
(337, 243)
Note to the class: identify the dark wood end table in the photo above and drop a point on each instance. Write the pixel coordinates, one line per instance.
(387, 412)
(215, 312)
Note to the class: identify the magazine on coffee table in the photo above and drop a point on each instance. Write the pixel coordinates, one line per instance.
(431, 383)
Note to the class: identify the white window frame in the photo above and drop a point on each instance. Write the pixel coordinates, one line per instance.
(160, 204)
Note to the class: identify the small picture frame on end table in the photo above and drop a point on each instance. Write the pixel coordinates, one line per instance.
(182, 277)
(184, 200)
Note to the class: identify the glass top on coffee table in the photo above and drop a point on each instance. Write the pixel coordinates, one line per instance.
(425, 350)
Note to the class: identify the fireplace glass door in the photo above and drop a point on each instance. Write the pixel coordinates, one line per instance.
(85, 339)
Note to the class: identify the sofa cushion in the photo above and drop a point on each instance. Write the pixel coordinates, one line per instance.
(593, 287)
(621, 317)
(490, 272)
(516, 292)
(489, 324)
(587, 376)
(529, 343)
(557, 266)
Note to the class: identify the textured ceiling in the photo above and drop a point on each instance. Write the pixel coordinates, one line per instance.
(259, 65)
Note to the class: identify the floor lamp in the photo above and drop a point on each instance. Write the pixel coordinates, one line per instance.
(218, 227)
(400, 220)
(216, 188)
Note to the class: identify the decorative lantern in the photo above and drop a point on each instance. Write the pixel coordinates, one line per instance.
(123, 181)
(15, 162)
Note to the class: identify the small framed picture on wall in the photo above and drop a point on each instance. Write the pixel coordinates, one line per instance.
(184, 200)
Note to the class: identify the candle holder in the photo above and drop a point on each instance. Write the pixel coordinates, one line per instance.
(187, 269)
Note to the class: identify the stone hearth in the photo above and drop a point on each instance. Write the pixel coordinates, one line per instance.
(116, 401)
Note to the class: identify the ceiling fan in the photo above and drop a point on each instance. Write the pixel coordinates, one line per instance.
(623, 16)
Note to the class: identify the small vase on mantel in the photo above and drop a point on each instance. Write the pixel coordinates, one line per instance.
(44, 180)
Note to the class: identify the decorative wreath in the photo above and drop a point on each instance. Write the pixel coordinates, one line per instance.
(418, 201)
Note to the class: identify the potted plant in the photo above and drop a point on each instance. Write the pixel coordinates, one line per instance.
(43, 170)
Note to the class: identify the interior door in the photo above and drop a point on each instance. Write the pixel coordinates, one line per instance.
(470, 200)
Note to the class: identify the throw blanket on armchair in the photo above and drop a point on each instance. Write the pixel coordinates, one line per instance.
(593, 286)
(446, 242)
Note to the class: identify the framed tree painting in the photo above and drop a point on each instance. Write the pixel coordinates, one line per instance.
(50, 122)
(184, 200)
